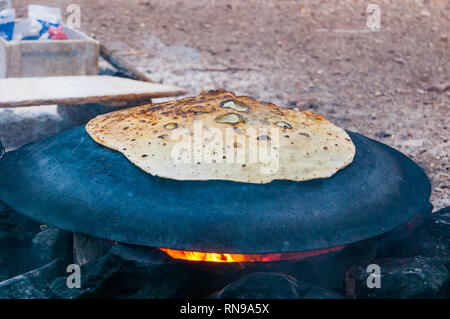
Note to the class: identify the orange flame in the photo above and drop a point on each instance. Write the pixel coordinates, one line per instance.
(230, 258)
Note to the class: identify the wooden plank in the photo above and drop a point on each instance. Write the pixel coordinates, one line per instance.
(109, 90)
(120, 64)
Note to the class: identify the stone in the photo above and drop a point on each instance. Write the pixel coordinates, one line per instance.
(314, 292)
(430, 239)
(74, 115)
(326, 270)
(52, 243)
(303, 101)
(87, 248)
(15, 225)
(294, 98)
(127, 272)
(383, 134)
(262, 285)
(402, 278)
(273, 285)
(20, 126)
(16, 233)
(33, 284)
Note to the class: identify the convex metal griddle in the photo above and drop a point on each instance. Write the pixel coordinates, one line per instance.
(71, 182)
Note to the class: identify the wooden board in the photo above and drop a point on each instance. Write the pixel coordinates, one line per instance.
(108, 90)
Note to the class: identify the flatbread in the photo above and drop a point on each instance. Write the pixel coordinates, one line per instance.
(220, 136)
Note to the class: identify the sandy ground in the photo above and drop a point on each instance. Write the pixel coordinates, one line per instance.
(309, 54)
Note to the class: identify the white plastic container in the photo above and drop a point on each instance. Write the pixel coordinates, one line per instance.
(28, 58)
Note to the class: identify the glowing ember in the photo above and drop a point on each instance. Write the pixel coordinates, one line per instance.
(231, 258)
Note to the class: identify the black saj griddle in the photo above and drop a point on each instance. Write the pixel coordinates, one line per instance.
(75, 184)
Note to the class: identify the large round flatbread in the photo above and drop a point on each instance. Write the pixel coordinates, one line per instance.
(220, 136)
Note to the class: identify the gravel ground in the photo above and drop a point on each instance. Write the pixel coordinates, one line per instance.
(310, 54)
